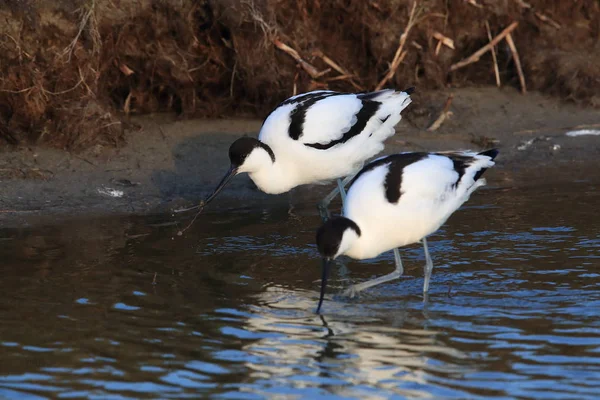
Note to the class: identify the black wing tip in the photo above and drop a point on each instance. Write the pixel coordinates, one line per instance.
(410, 90)
(492, 153)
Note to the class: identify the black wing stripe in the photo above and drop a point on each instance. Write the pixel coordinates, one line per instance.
(393, 179)
(303, 97)
(364, 115)
(298, 114)
(371, 95)
(398, 162)
(374, 95)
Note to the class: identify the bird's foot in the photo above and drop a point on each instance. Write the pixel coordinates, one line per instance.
(323, 211)
(292, 214)
(350, 292)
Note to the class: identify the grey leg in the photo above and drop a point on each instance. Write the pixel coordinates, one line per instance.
(291, 207)
(428, 266)
(398, 260)
(324, 204)
(342, 190)
(354, 289)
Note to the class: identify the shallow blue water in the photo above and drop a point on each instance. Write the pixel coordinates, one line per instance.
(123, 308)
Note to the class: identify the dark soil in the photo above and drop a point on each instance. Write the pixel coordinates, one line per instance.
(72, 72)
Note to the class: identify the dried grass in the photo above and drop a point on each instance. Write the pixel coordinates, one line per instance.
(70, 70)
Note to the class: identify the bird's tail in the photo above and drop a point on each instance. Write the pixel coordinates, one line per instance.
(492, 153)
(392, 101)
(385, 95)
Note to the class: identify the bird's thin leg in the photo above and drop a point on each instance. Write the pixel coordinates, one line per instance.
(354, 289)
(428, 266)
(291, 208)
(342, 190)
(324, 204)
(398, 260)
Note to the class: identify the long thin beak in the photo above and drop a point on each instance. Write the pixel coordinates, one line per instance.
(325, 273)
(230, 174)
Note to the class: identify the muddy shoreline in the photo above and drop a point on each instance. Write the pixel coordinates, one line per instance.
(168, 163)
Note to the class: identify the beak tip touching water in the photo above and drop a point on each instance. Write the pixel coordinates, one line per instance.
(324, 274)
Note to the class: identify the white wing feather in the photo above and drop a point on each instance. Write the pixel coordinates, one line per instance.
(328, 119)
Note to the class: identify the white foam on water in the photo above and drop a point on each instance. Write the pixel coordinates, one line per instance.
(111, 192)
(583, 132)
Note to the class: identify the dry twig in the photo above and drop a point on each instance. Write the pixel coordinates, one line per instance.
(330, 62)
(496, 69)
(339, 78)
(547, 19)
(477, 55)
(474, 3)
(81, 79)
(295, 89)
(19, 48)
(416, 45)
(542, 17)
(68, 51)
(126, 70)
(321, 73)
(445, 40)
(345, 75)
(18, 91)
(443, 115)
(515, 54)
(523, 4)
(400, 52)
(232, 80)
(127, 104)
(311, 70)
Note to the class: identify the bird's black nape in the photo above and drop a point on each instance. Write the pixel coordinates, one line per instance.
(329, 239)
(409, 90)
(329, 235)
(241, 148)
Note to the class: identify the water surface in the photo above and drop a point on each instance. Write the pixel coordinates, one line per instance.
(123, 308)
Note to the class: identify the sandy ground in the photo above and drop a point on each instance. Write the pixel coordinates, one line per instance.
(169, 163)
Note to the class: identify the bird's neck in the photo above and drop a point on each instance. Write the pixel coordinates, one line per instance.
(273, 178)
(364, 247)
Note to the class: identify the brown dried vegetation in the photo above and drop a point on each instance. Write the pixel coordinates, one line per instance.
(70, 71)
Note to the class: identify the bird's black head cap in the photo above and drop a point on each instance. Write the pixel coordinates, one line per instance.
(330, 234)
(241, 148)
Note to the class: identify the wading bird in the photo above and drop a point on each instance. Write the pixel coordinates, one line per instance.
(398, 200)
(316, 137)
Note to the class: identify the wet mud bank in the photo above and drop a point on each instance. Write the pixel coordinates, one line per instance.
(168, 162)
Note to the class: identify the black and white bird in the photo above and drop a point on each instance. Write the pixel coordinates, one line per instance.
(398, 200)
(316, 137)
